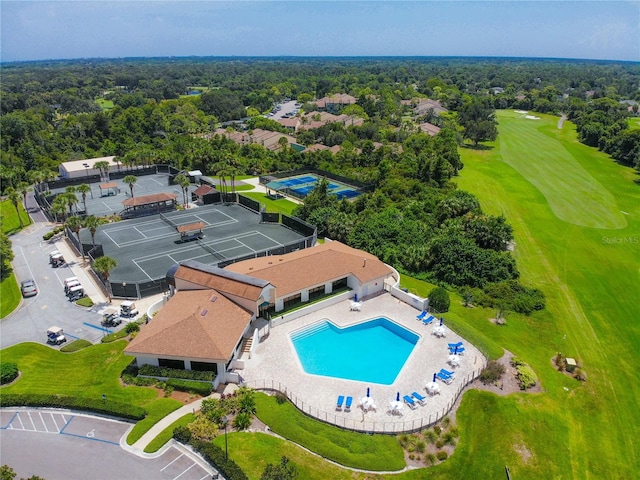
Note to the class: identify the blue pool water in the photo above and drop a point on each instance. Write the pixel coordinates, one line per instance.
(374, 351)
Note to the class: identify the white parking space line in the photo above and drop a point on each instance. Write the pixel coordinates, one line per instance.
(171, 462)
(185, 471)
(31, 420)
(43, 422)
(55, 423)
(206, 476)
(20, 420)
(26, 262)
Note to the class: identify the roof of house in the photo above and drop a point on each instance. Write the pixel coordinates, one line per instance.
(424, 107)
(197, 324)
(429, 128)
(79, 165)
(149, 199)
(107, 185)
(313, 266)
(225, 281)
(203, 190)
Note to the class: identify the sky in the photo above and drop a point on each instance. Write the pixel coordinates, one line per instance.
(42, 30)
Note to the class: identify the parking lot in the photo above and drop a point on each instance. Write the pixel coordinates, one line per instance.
(75, 446)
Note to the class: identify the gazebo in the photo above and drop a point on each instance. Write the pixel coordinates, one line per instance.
(108, 189)
(149, 204)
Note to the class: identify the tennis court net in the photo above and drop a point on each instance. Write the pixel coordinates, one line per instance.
(219, 256)
(163, 217)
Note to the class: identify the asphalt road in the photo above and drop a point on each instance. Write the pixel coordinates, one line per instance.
(74, 446)
(30, 321)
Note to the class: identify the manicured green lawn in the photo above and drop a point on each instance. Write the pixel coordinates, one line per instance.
(273, 206)
(576, 244)
(90, 372)
(634, 123)
(10, 221)
(166, 434)
(9, 295)
(370, 452)
(156, 411)
(105, 105)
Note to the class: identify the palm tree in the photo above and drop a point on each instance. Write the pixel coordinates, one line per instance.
(83, 189)
(131, 180)
(92, 223)
(103, 166)
(23, 187)
(59, 206)
(70, 197)
(104, 265)
(15, 198)
(75, 224)
(182, 180)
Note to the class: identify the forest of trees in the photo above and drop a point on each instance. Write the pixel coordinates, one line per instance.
(415, 219)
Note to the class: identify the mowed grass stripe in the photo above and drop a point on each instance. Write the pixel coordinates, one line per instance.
(574, 195)
(591, 282)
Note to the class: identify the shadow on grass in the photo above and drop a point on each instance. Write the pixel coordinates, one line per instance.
(477, 147)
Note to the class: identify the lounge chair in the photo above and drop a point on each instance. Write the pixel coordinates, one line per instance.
(409, 401)
(446, 379)
(340, 402)
(429, 320)
(421, 315)
(347, 405)
(454, 345)
(419, 398)
(447, 372)
(456, 350)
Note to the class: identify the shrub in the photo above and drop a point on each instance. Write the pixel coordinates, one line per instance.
(139, 381)
(492, 373)
(242, 421)
(446, 422)
(580, 374)
(97, 405)
(48, 235)
(439, 300)
(182, 434)
(442, 455)
(430, 459)
(438, 430)
(525, 374)
(439, 443)
(513, 295)
(284, 471)
(421, 446)
(152, 371)
(430, 436)
(280, 398)
(8, 372)
(216, 457)
(561, 361)
(201, 388)
(449, 438)
(85, 302)
(132, 327)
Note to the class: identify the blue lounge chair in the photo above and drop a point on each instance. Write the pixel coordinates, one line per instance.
(421, 315)
(428, 320)
(444, 378)
(419, 398)
(409, 401)
(454, 345)
(456, 350)
(447, 372)
(340, 402)
(347, 406)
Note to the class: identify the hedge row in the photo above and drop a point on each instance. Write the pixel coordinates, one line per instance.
(8, 372)
(201, 388)
(97, 405)
(212, 454)
(48, 235)
(152, 371)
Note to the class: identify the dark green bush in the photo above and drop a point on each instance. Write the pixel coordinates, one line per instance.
(47, 236)
(139, 381)
(216, 457)
(513, 296)
(492, 373)
(201, 388)
(182, 434)
(280, 398)
(152, 371)
(8, 372)
(97, 405)
(442, 455)
(132, 327)
(439, 300)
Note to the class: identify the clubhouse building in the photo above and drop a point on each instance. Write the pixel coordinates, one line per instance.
(212, 314)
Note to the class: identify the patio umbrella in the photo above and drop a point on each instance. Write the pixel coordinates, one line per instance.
(398, 397)
(455, 352)
(434, 378)
(441, 320)
(368, 394)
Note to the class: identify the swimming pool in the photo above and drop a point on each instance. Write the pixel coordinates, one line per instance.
(373, 351)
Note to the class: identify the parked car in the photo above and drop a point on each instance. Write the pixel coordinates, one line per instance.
(28, 288)
(128, 309)
(55, 335)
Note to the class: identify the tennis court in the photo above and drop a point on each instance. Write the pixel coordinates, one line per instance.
(300, 186)
(145, 248)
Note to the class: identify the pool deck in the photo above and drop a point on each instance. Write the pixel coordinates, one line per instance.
(274, 364)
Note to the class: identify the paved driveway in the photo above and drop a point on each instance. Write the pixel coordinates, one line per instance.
(30, 321)
(77, 446)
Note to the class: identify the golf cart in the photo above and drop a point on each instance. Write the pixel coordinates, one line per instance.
(75, 293)
(128, 309)
(57, 260)
(55, 335)
(71, 284)
(110, 318)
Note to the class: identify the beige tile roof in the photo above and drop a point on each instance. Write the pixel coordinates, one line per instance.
(309, 267)
(429, 128)
(222, 280)
(191, 325)
(148, 199)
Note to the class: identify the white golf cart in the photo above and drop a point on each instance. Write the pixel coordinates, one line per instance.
(55, 335)
(128, 309)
